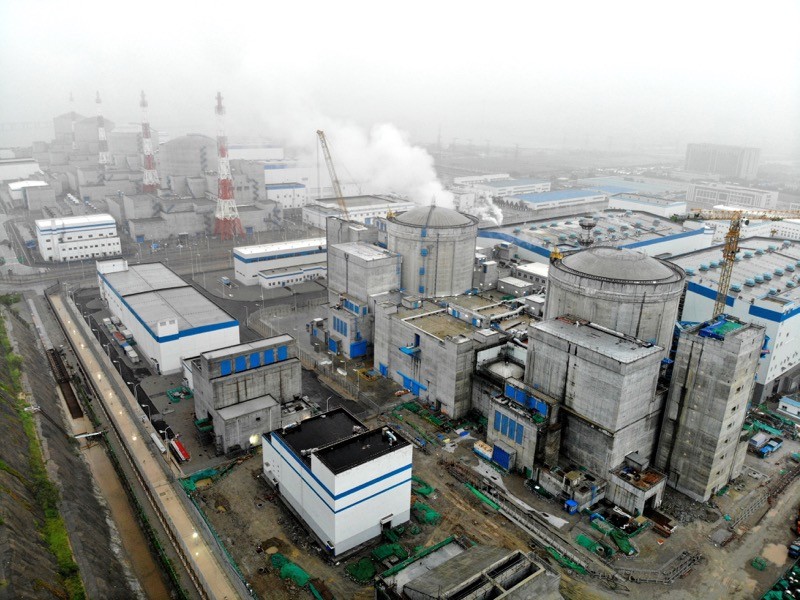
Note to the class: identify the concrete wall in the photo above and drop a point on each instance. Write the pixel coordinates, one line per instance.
(645, 311)
(436, 261)
(701, 435)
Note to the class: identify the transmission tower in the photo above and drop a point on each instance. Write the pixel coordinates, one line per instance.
(150, 179)
(226, 218)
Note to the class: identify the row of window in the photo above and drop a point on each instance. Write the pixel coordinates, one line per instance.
(251, 361)
(354, 308)
(340, 326)
(508, 427)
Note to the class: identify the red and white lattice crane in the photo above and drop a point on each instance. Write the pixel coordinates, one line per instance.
(150, 179)
(226, 217)
(103, 158)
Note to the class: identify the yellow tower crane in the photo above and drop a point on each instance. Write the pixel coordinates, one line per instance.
(337, 187)
(731, 247)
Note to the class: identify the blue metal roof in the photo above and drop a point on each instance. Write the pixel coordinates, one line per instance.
(555, 196)
(284, 186)
(790, 401)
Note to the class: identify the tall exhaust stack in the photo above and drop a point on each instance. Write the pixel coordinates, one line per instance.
(587, 224)
(103, 157)
(226, 217)
(150, 179)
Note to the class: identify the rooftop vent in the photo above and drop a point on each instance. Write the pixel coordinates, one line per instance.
(772, 247)
(759, 252)
(759, 279)
(790, 268)
(750, 282)
(689, 271)
(713, 264)
(778, 271)
(736, 287)
(767, 276)
(791, 284)
(748, 254)
(703, 267)
(773, 292)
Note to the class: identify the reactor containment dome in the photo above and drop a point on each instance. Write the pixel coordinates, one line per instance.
(622, 289)
(438, 249)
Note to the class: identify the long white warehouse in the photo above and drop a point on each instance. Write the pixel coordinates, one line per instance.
(346, 483)
(249, 261)
(168, 318)
(77, 238)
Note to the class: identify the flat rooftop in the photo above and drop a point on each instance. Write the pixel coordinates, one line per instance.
(769, 264)
(515, 282)
(504, 183)
(361, 202)
(365, 251)
(257, 345)
(155, 293)
(82, 221)
(623, 349)
(643, 480)
(243, 408)
(558, 195)
(259, 249)
(635, 184)
(615, 227)
(441, 325)
(649, 200)
(320, 431)
(538, 269)
(359, 449)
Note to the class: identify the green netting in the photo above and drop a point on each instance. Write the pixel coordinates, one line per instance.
(759, 563)
(595, 546)
(295, 573)
(414, 529)
(425, 514)
(391, 535)
(412, 406)
(564, 561)
(314, 592)
(362, 571)
(179, 393)
(383, 552)
(278, 560)
(190, 483)
(622, 542)
(483, 497)
(422, 488)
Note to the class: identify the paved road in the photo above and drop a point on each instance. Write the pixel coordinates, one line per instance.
(150, 465)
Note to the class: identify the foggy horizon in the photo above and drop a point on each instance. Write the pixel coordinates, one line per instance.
(588, 76)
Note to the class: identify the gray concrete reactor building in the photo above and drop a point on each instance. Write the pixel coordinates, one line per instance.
(624, 290)
(702, 446)
(438, 249)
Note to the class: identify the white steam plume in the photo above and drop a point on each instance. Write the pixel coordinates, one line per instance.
(381, 161)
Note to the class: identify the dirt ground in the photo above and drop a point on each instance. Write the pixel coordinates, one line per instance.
(251, 516)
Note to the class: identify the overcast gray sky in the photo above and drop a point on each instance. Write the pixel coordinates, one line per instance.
(533, 73)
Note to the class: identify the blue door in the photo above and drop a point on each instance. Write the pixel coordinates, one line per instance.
(501, 457)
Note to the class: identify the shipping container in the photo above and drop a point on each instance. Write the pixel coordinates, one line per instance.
(179, 451)
(127, 333)
(158, 443)
(119, 337)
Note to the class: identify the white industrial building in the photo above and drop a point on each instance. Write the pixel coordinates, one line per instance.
(654, 205)
(500, 188)
(76, 238)
(727, 161)
(18, 168)
(765, 290)
(289, 195)
(580, 199)
(346, 483)
(363, 209)
(249, 261)
(168, 318)
(710, 194)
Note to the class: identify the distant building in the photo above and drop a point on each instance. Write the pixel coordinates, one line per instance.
(500, 188)
(712, 194)
(585, 200)
(31, 195)
(290, 195)
(169, 319)
(12, 169)
(702, 447)
(77, 238)
(246, 390)
(187, 156)
(363, 209)
(728, 161)
(347, 484)
(251, 261)
(652, 204)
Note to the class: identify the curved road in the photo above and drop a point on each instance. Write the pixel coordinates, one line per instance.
(195, 549)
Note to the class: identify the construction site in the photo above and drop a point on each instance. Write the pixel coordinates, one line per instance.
(714, 546)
